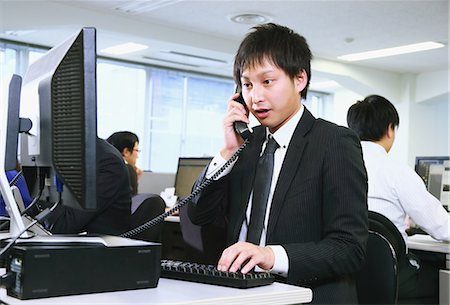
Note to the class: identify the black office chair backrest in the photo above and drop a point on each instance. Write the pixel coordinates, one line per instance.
(204, 243)
(145, 207)
(377, 281)
(381, 224)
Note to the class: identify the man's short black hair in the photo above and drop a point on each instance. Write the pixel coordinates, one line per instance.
(279, 45)
(371, 117)
(122, 140)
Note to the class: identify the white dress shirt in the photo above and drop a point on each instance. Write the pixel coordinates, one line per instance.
(396, 191)
(283, 137)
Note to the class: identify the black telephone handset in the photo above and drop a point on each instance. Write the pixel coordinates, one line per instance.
(241, 127)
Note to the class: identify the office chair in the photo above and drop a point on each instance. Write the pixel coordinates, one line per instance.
(204, 243)
(381, 225)
(377, 281)
(145, 207)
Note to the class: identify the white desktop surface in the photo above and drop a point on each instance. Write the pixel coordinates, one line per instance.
(427, 243)
(172, 219)
(182, 292)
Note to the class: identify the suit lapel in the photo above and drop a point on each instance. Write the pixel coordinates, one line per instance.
(290, 167)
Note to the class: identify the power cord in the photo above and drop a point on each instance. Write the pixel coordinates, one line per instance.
(39, 218)
(16, 178)
(184, 201)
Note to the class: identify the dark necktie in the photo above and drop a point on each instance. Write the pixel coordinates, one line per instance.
(261, 189)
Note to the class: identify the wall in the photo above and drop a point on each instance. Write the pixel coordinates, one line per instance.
(422, 101)
(155, 183)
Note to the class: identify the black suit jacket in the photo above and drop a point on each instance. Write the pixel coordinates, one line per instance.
(113, 199)
(319, 207)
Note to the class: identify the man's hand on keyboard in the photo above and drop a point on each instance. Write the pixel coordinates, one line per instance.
(245, 256)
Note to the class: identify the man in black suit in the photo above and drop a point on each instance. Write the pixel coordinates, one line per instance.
(315, 222)
(113, 200)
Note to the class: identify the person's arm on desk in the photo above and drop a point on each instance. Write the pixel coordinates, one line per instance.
(421, 206)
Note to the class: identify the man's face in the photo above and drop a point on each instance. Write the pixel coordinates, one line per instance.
(131, 156)
(271, 95)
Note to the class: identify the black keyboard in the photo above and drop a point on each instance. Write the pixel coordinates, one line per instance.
(208, 274)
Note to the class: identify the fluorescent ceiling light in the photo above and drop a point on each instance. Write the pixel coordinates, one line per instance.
(125, 48)
(417, 47)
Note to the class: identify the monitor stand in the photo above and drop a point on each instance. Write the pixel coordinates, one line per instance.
(16, 223)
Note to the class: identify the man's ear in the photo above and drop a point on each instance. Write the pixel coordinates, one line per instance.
(125, 152)
(301, 80)
(390, 132)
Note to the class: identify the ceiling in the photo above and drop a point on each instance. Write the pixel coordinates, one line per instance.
(198, 35)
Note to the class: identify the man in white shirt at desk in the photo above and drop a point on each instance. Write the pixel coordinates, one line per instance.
(395, 190)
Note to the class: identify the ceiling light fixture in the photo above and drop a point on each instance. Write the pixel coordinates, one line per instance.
(417, 47)
(125, 48)
(139, 7)
(250, 18)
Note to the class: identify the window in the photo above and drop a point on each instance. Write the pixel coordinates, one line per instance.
(185, 117)
(7, 68)
(120, 99)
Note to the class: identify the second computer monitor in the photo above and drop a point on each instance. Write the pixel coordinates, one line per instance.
(187, 173)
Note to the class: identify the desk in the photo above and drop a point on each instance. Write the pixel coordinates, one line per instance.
(427, 243)
(181, 292)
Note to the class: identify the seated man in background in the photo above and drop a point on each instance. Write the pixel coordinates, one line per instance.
(143, 206)
(127, 143)
(113, 200)
(395, 190)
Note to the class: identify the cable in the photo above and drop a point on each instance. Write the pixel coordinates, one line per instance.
(6, 281)
(184, 201)
(16, 178)
(32, 203)
(39, 218)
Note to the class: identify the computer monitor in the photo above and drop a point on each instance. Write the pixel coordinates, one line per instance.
(422, 166)
(15, 124)
(59, 96)
(187, 173)
(12, 124)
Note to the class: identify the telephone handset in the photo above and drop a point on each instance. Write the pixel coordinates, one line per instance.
(241, 127)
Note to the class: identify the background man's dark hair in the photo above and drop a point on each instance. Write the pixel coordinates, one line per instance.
(371, 117)
(122, 140)
(279, 45)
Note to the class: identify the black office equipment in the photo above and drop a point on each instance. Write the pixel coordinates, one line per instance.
(57, 267)
(208, 274)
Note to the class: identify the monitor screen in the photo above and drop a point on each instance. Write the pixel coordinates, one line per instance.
(429, 169)
(59, 96)
(187, 173)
